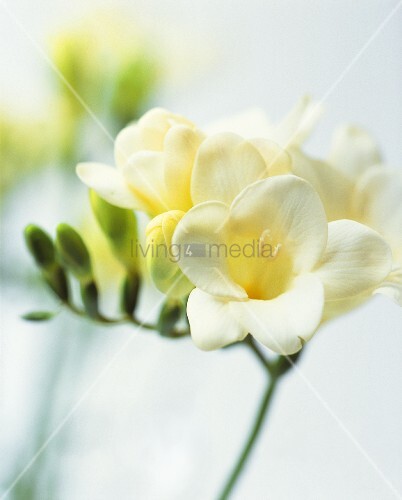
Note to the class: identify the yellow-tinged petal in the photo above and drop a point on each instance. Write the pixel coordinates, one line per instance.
(225, 164)
(356, 260)
(284, 323)
(181, 145)
(162, 256)
(212, 322)
(108, 183)
(277, 160)
(144, 176)
(287, 209)
(201, 235)
(353, 151)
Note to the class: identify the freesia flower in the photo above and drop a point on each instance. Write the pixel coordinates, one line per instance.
(353, 183)
(299, 265)
(160, 164)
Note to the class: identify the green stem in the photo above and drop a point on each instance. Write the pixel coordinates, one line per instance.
(262, 413)
(276, 370)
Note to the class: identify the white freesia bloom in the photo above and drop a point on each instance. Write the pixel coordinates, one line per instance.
(354, 184)
(300, 264)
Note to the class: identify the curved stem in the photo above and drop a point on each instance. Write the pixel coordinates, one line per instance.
(262, 412)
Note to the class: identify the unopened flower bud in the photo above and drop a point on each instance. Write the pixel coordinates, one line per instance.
(90, 299)
(119, 226)
(40, 246)
(162, 256)
(130, 293)
(73, 253)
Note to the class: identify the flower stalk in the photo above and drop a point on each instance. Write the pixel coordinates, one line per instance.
(275, 371)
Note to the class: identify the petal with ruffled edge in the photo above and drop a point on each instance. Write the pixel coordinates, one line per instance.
(109, 184)
(289, 208)
(356, 260)
(353, 151)
(225, 164)
(333, 187)
(211, 321)
(201, 237)
(283, 324)
(180, 147)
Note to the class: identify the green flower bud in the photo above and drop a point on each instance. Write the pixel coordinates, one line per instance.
(40, 246)
(119, 226)
(162, 256)
(73, 253)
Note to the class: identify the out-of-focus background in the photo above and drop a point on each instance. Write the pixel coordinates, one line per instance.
(98, 412)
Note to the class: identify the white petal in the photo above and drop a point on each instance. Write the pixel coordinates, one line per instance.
(332, 186)
(201, 237)
(378, 203)
(211, 321)
(108, 183)
(353, 150)
(392, 285)
(144, 175)
(284, 323)
(286, 206)
(297, 125)
(356, 260)
(252, 122)
(225, 164)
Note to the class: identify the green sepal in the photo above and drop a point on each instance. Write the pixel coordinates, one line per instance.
(90, 299)
(130, 292)
(169, 317)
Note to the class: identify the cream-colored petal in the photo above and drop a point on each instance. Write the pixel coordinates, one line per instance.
(180, 147)
(108, 183)
(144, 175)
(201, 237)
(353, 151)
(211, 321)
(356, 260)
(377, 202)
(252, 122)
(297, 125)
(277, 160)
(288, 208)
(332, 186)
(283, 324)
(133, 139)
(225, 164)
